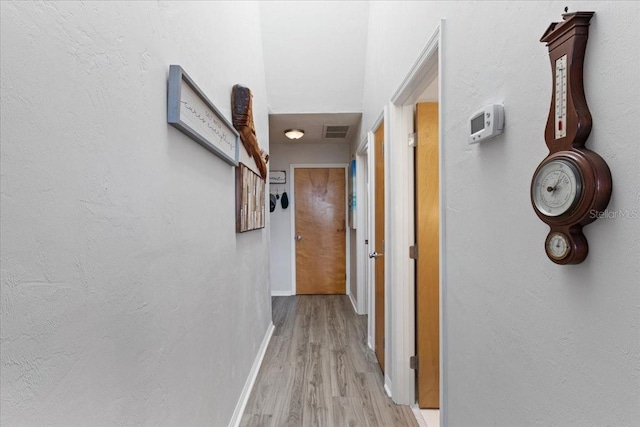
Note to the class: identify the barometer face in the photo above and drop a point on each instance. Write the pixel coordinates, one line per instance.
(556, 187)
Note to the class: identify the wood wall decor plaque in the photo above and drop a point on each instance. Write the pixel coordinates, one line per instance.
(250, 200)
(190, 111)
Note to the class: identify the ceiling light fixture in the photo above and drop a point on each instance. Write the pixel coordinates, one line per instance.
(294, 133)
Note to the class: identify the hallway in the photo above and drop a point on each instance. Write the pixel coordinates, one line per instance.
(130, 295)
(318, 370)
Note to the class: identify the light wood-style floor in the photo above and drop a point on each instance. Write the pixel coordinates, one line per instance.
(319, 371)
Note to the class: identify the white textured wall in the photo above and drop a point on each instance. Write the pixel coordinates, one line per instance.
(281, 157)
(528, 342)
(127, 297)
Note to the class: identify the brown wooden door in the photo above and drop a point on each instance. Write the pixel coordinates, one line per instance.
(428, 262)
(378, 158)
(320, 230)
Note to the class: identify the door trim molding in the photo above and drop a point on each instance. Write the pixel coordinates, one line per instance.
(363, 146)
(401, 319)
(362, 232)
(292, 213)
(379, 120)
(423, 71)
(369, 263)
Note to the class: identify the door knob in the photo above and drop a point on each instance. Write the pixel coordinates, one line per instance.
(375, 255)
(298, 237)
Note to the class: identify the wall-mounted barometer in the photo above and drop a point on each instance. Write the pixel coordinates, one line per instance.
(572, 184)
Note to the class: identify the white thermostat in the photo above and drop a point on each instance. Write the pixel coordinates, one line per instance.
(486, 123)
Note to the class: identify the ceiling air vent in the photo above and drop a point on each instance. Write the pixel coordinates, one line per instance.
(335, 132)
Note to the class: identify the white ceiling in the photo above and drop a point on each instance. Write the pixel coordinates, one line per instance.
(313, 125)
(314, 54)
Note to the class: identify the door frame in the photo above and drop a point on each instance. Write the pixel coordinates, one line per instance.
(371, 231)
(292, 213)
(362, 226)
(401, 232)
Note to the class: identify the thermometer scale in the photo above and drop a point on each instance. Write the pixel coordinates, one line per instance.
(561, 97)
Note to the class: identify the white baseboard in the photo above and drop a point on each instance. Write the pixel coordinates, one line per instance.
(353, 303)
(387, 385)
(251, 379)
(370, 343)
(418, 415)
(281, 293)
